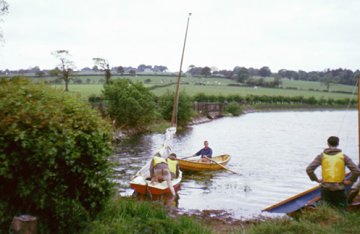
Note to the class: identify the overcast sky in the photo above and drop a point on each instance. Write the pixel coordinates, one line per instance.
(309, 35)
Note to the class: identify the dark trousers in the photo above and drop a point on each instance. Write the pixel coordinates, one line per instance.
(334, 198)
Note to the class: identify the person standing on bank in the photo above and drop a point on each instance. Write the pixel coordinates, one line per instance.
(205, 152)
(333, 161)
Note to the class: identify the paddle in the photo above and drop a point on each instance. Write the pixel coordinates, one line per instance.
(221, 165)
(192, 156)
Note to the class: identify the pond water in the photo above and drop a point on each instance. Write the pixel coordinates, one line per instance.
(270, 151)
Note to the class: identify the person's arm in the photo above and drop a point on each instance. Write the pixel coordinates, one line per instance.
(198, 153)
(152, 168)
(355, 171)
(311, 168)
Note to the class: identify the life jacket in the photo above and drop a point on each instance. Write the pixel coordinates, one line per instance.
(158, 160)
(333, 168)
(172, 165)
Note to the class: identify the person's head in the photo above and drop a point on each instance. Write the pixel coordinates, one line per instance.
(172, 156)
(206, 143)
(333, 141)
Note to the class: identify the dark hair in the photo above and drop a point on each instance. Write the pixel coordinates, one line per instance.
(333, 141)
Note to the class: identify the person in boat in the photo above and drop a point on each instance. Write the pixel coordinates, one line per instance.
(205, 152)
(333, 161)
(159, 170)
(173, 165)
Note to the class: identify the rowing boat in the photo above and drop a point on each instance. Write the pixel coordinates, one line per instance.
(196, 165)
(142, 185)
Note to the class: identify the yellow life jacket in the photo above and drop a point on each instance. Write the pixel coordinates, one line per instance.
(158, 160)
(333, 168)
(172, 165)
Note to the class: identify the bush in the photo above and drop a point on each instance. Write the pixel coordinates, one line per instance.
(184, 113)
(233, 108)
(53, 157)
(131, 104)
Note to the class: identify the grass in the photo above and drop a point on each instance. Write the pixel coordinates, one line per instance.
(126, 215)
(216, 86)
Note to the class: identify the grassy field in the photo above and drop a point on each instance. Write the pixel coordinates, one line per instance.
(92, 85)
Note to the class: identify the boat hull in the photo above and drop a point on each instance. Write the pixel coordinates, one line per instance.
(143, 186)
(195, 165)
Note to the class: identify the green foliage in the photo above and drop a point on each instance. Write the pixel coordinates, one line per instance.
(184, 112)
(233, 108)
(131, 104)
(53, 157)
(132, 216)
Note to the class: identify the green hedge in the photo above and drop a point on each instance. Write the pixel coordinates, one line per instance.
(53, 157)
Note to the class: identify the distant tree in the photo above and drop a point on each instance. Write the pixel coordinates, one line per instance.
(206, 71)
(160, 68)
(120, 70)
(54, 72)
(132, 72)
(265, 72)
(104, 65)
(95, 68)
(40, 73)
(66, 66)
(242, 75)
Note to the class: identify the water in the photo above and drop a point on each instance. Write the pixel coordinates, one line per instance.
(270, 150)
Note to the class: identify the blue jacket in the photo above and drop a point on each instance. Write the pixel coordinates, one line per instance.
(205, 152)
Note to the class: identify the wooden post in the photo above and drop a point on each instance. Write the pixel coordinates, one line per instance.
(24, 224)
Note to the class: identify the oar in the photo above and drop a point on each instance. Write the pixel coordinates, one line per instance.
(222, 165)
(192, 156)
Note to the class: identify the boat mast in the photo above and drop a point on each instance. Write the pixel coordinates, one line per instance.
(176, 99)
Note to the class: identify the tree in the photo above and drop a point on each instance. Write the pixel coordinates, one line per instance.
(55, 157)
(184, 113)
(120, 70)
(242, 75)
(66, 66)
(130, 104)
(265, 71)
(206, 71)
(104, 65)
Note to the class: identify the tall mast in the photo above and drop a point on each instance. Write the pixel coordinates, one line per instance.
(176, 99)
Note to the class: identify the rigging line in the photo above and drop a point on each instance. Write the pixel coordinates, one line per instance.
(348, 106)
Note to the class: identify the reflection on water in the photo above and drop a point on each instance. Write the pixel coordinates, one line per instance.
(271, 151)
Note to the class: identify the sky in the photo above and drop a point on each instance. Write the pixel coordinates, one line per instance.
(309, 35)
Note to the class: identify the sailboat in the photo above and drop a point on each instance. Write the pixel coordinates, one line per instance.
(141, 181)
(309, 197)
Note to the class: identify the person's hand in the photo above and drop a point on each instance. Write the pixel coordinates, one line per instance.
(347, 182)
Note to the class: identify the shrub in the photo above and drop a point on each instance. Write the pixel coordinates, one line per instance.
(184, 112)
(131, 104)
(233, 108)
(53, 157)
